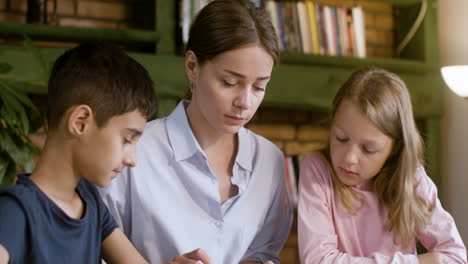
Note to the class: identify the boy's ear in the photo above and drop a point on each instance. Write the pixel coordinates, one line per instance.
(80, 119)
(191, 65)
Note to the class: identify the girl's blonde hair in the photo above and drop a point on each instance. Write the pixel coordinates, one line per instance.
(384, 99)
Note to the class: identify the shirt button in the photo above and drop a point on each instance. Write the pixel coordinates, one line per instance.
(218, 224)
(242, 187)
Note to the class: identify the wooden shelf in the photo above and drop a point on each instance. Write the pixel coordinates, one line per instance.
(392, 64)
(292, 86)
(77, 33)
(397, 2)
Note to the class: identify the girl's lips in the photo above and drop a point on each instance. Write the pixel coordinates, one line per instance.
(348, 171)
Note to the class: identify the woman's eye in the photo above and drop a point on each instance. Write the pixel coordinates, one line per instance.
(229, 84)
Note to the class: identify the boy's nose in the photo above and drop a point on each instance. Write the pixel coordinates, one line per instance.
(130, 159)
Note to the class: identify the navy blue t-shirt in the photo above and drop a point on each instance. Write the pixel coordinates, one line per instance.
(34, 229)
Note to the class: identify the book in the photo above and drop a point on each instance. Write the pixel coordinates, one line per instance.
(359, 31)
(314, 35)
(304, 27)
(290, 179)
(271, 7)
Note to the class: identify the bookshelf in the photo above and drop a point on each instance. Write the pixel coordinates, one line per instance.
(301, 81)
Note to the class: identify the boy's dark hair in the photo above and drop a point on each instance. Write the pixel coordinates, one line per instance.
(102, 76)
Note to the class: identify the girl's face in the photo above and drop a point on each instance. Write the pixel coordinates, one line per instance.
(228, 89)
(358, 148)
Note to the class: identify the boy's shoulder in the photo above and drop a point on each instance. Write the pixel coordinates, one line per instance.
(22, 192)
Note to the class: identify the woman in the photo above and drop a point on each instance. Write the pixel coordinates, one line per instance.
(205, 188)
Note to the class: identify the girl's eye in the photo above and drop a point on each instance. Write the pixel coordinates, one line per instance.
(126, 141)
(341, 139)
(369, 151)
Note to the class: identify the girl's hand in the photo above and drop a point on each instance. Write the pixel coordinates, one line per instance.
(194, 257)
(433, 258)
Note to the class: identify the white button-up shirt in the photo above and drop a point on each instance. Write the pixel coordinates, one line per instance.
(169, 204)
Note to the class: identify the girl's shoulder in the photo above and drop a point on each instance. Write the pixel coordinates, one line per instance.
(316, 168)
(424, 185)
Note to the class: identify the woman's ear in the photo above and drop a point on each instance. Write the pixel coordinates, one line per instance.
(80, 119)
(191, 65)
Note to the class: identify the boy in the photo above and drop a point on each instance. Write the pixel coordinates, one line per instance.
(99, 101)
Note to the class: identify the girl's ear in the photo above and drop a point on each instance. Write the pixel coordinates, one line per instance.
(191, 65)
(79, 120)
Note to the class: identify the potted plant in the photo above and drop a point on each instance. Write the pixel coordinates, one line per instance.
(18, 118)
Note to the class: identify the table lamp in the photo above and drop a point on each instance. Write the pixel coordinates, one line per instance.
(456, 78)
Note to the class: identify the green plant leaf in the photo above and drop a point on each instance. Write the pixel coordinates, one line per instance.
(14, 108)
(4, 161)
(19, 153)
(9, 176)
(23, 98)
(5, 67)
(37, 54)
(14, 113)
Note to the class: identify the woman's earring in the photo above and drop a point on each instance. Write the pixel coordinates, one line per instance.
(191, 87)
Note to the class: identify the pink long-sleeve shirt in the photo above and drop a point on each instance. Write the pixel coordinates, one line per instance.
(329, 234)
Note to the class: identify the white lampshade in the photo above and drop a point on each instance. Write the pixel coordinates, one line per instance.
(456, 78)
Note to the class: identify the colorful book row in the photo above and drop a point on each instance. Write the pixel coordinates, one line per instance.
(308, 27)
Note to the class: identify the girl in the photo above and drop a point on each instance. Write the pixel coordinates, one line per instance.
(205, 188)
(367, 198)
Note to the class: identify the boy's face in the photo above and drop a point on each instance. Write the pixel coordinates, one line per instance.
(104, 152)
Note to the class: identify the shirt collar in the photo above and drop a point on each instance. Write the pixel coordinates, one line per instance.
(244, 153)
(185, 145)
(180, 134)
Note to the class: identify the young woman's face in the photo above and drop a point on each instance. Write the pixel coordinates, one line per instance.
(358, 148)
(228, 89)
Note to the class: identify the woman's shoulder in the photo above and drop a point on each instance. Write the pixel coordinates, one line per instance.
(262, 144)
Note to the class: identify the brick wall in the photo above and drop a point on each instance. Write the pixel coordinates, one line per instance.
(87, 13)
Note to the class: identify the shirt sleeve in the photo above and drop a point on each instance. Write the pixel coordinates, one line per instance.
(117, 199)
(269, 241)
(13, 229)
(318, 241)
(441, 235)
(107, 220)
